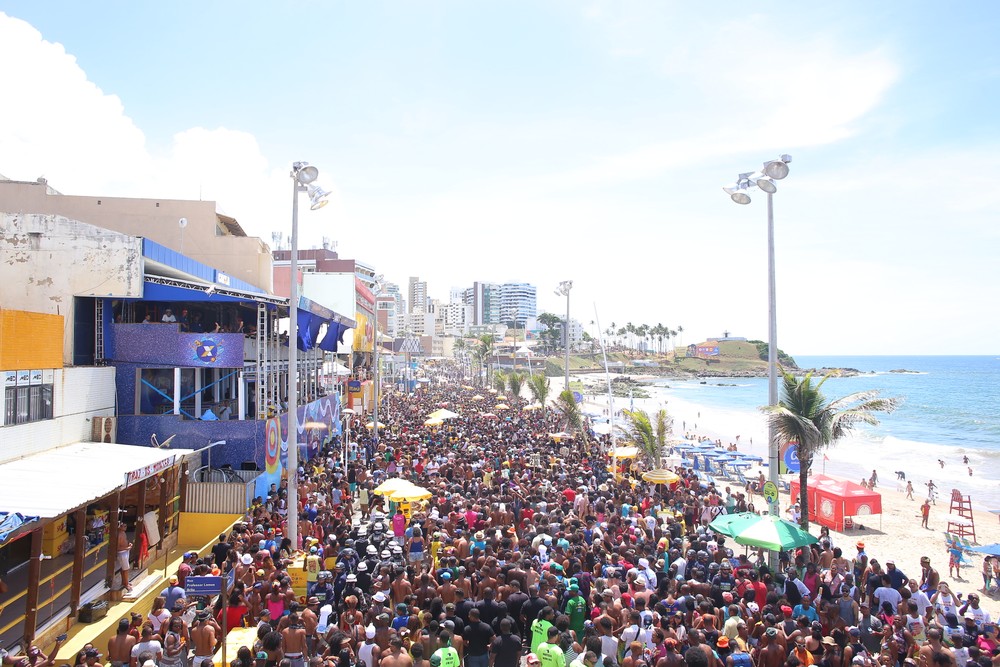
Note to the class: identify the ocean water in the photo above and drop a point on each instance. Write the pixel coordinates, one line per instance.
(949, 411)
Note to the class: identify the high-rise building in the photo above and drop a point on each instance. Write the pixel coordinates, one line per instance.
(417, 295)
(518, 303)
(485, 301)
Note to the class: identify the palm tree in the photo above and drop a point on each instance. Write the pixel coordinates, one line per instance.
(515, 381)
(484, 351)
(500, 381)
(539, 386)
(805, 416)
(567, 406)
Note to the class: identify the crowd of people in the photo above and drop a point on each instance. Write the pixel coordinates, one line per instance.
(532, 552)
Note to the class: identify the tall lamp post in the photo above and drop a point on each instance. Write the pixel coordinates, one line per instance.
(303, 174)
(376, 291)
(773, 170)
(563, 290)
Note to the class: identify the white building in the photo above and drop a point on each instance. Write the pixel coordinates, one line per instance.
(518, 303)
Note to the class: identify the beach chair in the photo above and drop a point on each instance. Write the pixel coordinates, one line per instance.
(784, 486)
(741, 478)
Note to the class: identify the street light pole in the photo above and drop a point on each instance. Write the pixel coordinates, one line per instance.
(564, 289)
(303, 176)
(376, 290)
(764, 180)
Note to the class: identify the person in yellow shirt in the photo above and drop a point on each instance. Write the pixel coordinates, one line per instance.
(312, 566)
(435, 549)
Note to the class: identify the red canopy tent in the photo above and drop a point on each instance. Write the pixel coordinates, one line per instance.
(835, 502)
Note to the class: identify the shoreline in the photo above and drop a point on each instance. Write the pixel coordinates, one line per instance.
(893, 535)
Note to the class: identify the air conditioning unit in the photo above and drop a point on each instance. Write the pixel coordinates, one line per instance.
(104, 429)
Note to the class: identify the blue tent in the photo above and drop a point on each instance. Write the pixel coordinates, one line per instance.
(11, 521)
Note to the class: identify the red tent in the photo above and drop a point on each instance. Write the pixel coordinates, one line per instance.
(835, 502)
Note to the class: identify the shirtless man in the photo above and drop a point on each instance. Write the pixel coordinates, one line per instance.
(396, 656)
(310, 621)
(293, 641)
(205, 637)
(401, 588)
(769, 651)
(934, 645)
(124, 549)
(120, 646)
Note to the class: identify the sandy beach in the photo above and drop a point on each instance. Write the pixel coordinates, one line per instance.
(895, 535)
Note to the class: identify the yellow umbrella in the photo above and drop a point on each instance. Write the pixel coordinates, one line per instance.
(501, 406)
(624, 452)
(371, 425)
(492, 390)
(433, 422)
(660, 476)
(465, 386)
(390, 485)
(533, 406)
(501, 398)
(410, 494)
(477, 397)
(442, 414)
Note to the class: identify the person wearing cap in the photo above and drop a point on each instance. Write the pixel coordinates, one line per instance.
(369, 653)
(172, 593)
(312, 564)
(576, 608)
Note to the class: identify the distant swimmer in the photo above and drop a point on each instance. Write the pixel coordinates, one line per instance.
(970, 472)
(941, 463)
(901, 475)
(965, 460)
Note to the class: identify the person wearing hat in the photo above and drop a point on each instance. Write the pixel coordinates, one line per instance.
(173, 592)
(576, 609)
(369, 653)
(205, 636)
(312, 564)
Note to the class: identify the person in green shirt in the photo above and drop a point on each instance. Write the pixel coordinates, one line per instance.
(549, 652)
(576, 609)
(540, 627)
(446, 656)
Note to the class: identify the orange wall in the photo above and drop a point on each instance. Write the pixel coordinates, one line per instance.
(30, 340)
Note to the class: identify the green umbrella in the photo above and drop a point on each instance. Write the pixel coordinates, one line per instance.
(723, 524)
(767, 531)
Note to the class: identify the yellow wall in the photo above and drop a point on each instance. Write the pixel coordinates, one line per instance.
(30, 341)
(202, 530)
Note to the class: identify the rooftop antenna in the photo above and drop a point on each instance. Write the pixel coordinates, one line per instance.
(326, 243)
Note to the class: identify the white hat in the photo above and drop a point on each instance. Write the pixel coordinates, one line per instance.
(379, 597)
(369, 631)
(643, 562)
(246, 559)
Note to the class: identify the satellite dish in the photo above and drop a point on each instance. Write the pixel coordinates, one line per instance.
(183, 222)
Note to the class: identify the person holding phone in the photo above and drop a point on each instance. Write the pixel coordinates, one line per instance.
(987, 641)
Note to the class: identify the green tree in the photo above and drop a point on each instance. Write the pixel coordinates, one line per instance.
(484, 352)
(500, 381)
(515, 382)
(539, 386)
(552, 325)
(805, 416)
(567, 406)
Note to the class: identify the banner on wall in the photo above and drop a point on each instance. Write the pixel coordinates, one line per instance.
(364, 334)
(318, 422)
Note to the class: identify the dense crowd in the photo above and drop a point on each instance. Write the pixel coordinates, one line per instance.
(531, 551)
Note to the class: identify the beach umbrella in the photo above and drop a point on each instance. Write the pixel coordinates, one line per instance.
(477, 397)
(433, 422)
(371, 425)
(660, 476)
(561, 435)
(533, 406)
(501, 406)
(410, 493)
(391, 484)
(624, 452)
(492, 390)
(601, 429)
(711, 454)
(988, 549)
(442, 414)
(465, 386)
(724, 459)
(721, 524)
(768, 532)
(501, 398)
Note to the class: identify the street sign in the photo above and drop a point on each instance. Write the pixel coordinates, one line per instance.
(770, 492)
(203, 586)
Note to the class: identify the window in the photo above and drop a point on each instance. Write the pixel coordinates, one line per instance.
(27, 404)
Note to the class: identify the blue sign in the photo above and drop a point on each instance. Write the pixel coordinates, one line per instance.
(791, 458)
(203, 585)
(354, 385)
(578, 397)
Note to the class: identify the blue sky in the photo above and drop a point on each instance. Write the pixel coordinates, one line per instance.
(543, 141)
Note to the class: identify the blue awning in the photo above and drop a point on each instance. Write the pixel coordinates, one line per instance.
(156, 288)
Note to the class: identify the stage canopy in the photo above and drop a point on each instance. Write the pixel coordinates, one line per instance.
(834, 502)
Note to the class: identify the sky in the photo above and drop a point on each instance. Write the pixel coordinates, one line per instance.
(548, 140)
